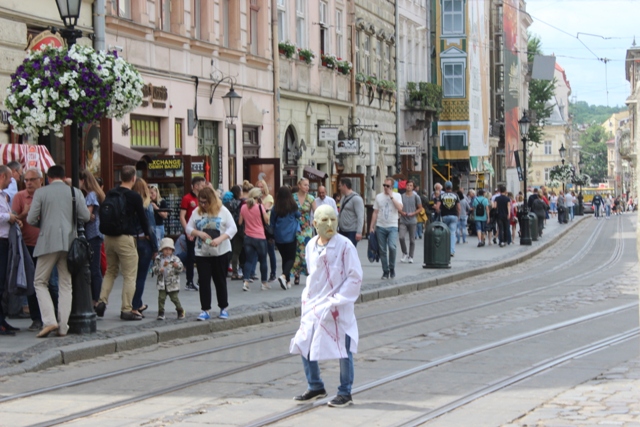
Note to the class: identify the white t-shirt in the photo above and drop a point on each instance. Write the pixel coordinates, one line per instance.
(387, 211)
(569, 200)
(224, 223)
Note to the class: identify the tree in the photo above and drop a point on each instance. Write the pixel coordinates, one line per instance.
(540, 93)
(584, 113)
(593, 153)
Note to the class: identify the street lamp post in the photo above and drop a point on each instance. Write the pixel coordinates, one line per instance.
(525, 233)
(231, 103)
(82, 319)
(562, 151)
(580, 196)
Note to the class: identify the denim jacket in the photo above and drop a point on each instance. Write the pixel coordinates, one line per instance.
(285, 228)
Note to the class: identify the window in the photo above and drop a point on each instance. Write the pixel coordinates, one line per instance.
(301, 30)
(197, 13)
(547, 148)
(453, 79)
(378, 66)
(358, 53)
(324, 28)
(388, 63)
(282, 21)
(145, 131)
(367, 49)
(547, 175)
(178, 135)
(339, 35)
(226, 23)
(253, 26)
(165, 15)
(124, 8)
(453, 141)
(452, 17)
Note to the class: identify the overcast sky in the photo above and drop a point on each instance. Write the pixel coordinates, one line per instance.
(618, 19)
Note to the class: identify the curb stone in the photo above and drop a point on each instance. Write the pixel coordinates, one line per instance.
(96, 348)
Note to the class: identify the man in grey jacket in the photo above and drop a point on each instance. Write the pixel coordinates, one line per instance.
(351, 219)
(52, 211)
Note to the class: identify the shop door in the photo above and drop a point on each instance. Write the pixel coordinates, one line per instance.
(267, 169)
(208, 147)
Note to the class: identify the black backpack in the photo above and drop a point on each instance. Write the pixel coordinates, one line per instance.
(113, 215)
(234, 208)
(480, 209)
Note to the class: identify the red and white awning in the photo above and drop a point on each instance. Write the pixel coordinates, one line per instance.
(30, 156)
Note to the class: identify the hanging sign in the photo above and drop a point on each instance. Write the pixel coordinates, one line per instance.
(408, 151)
(348, 146)
(328, 134)
(165, 164)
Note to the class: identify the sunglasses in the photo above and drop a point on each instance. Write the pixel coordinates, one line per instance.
(386, 185)
(203, 202)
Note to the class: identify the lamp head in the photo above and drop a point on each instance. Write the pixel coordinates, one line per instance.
(524, 123)
(562, 151)
(231, 104)
(69, 11)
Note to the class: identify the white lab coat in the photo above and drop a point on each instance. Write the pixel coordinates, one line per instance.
(328, 299)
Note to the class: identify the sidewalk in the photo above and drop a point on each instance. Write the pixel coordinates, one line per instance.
(25, 352)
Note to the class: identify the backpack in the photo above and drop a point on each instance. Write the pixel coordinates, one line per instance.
(234, 208)
(480, 212)
(113, 215)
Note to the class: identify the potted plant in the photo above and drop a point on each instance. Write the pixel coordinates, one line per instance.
(329, 61)
(361, 78)
(56, 87)
(306, 55)
(287, 49)
(344, 67)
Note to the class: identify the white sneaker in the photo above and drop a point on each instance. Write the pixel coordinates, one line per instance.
(245, 287)
(410, 260)
(265, 286)
(405, 258)
(283, 282)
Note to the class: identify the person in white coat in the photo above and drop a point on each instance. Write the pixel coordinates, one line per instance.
(328, 327)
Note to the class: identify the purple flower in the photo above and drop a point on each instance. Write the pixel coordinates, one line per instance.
(36, 65)
(56, 84)
(67, 58)
(30, 102)
(20, 69)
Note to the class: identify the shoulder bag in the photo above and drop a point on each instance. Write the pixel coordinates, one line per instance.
(80, 252)
(268, 229)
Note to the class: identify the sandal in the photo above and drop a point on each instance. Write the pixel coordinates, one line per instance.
(143, 308)
(296, 281)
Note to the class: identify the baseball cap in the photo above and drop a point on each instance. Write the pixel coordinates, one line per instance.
(448, 184)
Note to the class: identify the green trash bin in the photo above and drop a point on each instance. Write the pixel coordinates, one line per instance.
(437, 246)
(533, 226)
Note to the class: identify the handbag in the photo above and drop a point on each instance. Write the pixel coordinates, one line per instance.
(80, 252)
(268, 230)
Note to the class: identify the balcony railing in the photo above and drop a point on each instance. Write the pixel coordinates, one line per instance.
(424, 96)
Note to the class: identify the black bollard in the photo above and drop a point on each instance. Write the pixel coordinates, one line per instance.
(82, 319)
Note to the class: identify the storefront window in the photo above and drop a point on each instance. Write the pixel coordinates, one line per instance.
(178, 133)
(145, 131)
(91, 148)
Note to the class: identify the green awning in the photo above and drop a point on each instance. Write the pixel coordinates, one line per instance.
(488, 167)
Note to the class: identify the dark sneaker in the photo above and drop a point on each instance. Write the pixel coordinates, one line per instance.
(160, 315)
(36, 325)
(100, 309)
(272, 277)
(180, 314)
(7, 332)
(190, 286)
(341, 401)
(311, 395)
(385, 276)
(130, 315)
(480, 244)
(392, 274)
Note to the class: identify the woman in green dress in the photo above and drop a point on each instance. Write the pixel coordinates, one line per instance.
(306, 205)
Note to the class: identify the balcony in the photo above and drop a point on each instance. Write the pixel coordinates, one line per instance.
(424, 96)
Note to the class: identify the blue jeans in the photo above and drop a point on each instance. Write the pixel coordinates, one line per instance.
(271, 250)
(96, 271)
(452, 223)
(255, 250)
(387, 242)
(420, 230)
(462, 230)
(144, 260)
(351, 235)
(159, 229)
(312, 372)
(570, 210)
(608, 209)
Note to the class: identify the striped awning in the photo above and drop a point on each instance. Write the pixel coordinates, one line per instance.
(30, 156)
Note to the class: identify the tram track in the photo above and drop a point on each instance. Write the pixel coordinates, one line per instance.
(615, 255)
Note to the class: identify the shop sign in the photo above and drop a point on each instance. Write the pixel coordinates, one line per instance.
(408, 151)
(348, 146)
(45, 38)
(155, 94)
(328, 134)
(4, 117)
(197, 167)
(165, 164)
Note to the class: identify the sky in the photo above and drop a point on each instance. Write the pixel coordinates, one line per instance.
(618, 20)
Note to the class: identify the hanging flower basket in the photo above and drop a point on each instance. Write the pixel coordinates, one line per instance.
(55, 87)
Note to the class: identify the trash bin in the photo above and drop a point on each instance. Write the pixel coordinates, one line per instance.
(533, 226)
(437, 246)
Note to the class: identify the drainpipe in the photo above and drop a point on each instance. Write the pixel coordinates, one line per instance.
(99, 25)
(398, 162)
(276, 81)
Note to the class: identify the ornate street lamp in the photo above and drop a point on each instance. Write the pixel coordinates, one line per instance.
(82, 319)
(562, 151)
(231, 104)
(525, 235)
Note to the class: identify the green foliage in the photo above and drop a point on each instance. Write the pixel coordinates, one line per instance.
(287, 49)
(584, 113)
(424, 95)
(306, 55)
(387, 85)
(361, 78)
(540, 93)
(593, 143)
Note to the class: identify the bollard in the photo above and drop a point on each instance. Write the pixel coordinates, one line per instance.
(437, 246)
(533, 226)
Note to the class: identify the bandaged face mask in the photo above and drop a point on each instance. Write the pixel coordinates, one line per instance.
(326, 222)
